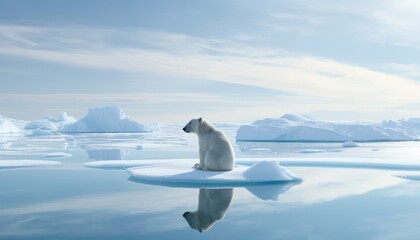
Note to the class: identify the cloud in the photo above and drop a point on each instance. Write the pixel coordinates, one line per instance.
(323, 84)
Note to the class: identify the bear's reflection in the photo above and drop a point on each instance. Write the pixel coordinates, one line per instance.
(212, 207)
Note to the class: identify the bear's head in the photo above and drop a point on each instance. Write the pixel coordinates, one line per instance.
(193, 220)
(193, 125)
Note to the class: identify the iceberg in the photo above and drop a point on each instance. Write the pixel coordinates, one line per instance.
(10, 126)
(47, 125)
(292, 127)
(350, 144)
(104, 119)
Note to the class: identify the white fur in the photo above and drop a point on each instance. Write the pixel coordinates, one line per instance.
(216, 153)
(212, 207)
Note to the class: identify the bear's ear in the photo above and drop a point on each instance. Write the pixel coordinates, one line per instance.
(200, 119)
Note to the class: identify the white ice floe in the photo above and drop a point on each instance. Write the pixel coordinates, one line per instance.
(312, 151)
(350, 144)
(360, 163)
(103, 119)
(259, 173)
(9, 125)
(25, 163)
(57, 155)
(48, 125)
(302, 128)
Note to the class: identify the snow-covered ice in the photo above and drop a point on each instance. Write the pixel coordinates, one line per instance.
(260, 172)
(292, 127)
(25, 163)
(9, 125)
(47, 125)
(103, 119)
(312, 151)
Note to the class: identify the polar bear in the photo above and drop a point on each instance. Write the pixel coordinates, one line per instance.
(216, 153)
(212, 207)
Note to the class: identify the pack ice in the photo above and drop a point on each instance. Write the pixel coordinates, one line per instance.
(47, 125)
(9, 125)
(292, 127)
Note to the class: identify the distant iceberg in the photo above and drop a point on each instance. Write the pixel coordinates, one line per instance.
(10, 126)
(350, 144)
(104, 119)
(47, 125)
(292, 127)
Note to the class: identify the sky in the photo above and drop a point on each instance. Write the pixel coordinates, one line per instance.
(226, 61)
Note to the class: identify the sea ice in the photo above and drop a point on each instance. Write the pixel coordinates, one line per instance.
(8, 125)
(261, 172)
(47, 125)
(4, 164)
(104, 119)
(312, 151)
(302, 128)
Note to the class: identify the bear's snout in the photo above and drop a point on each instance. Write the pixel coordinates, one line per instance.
(185, 129)
(185, 214)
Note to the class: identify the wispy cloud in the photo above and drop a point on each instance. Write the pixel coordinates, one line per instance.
(220, 60)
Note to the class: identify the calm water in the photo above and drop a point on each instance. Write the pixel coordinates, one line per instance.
(69, 201)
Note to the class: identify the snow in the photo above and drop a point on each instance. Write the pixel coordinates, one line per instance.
(104, 119)
(183, 173)
(57, 155)
(25, 163)
(48, 125)
(9, 125)
(350, 144)
(302, 128)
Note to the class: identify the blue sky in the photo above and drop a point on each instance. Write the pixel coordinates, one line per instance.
(227, 61)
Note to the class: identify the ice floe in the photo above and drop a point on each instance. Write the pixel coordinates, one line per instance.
(302, 128)
(4, 164)
(104, 119)
(312, 151)
(262, 172)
